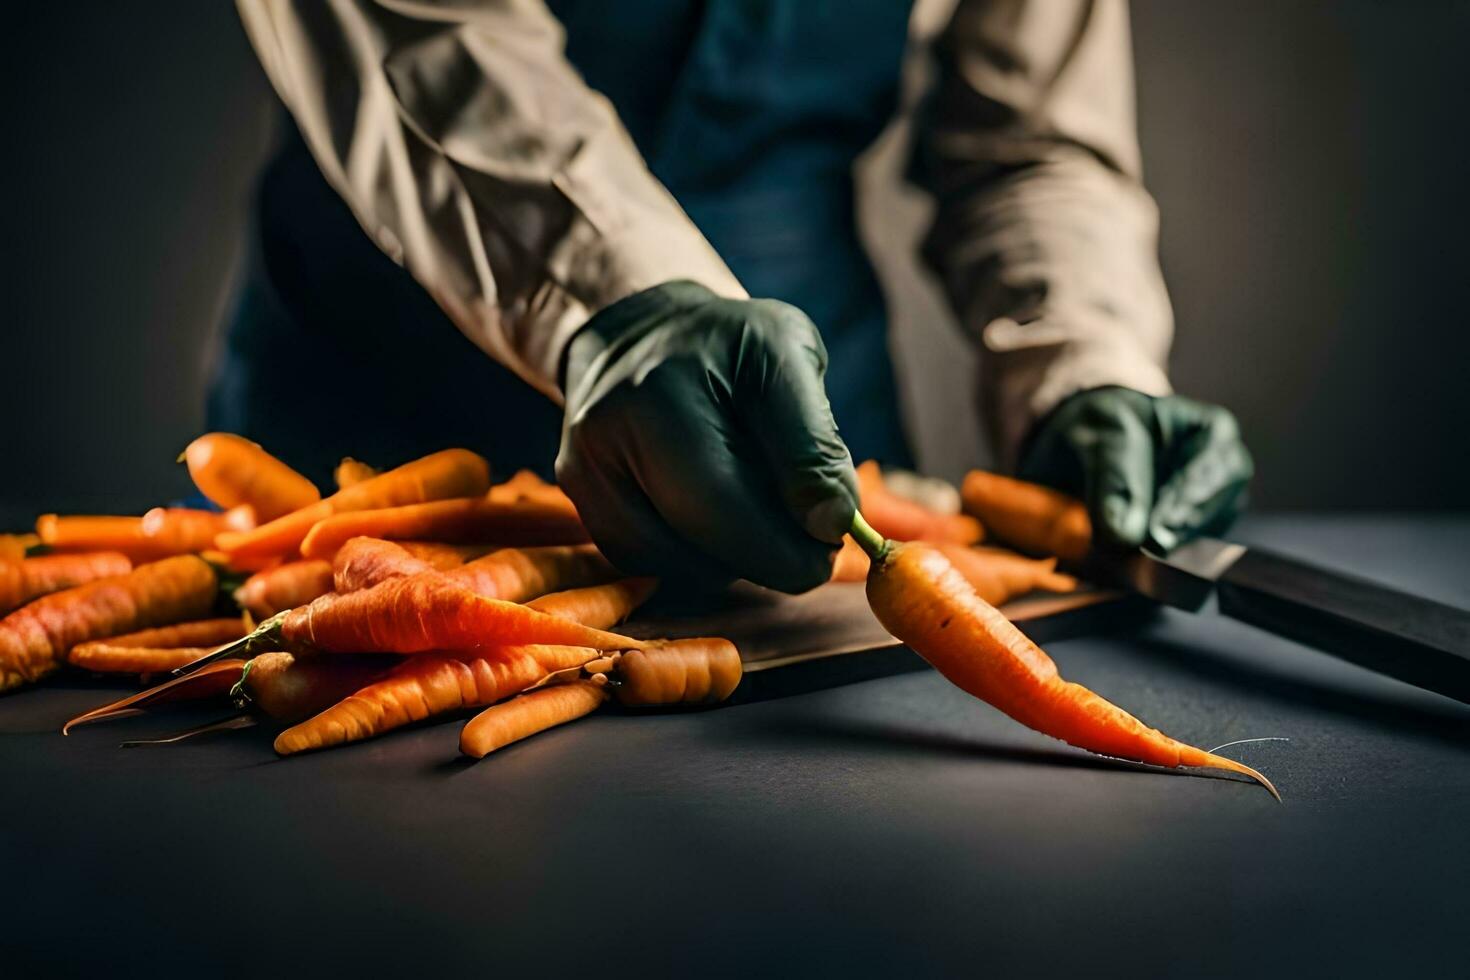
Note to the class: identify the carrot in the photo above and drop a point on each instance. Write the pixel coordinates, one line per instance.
(29, 578)
(35, 638)
(154, 650)
(443, 555)
(426, 686)
(598, 606)
(351, 472)
(288, 689)
(536, 711)
(232, 471)
(421, 613)
(1033, 518)
(679, 671)
(519, 574)
(363, 562)
(904, 520)
(850, 564)
(451, 473)
(207, 682)
(158, 534)
(284, 587)
(13, 547)
(526, 485)
(478, 519)
(923, 601)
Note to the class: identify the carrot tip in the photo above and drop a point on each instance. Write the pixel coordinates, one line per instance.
(1220, 762)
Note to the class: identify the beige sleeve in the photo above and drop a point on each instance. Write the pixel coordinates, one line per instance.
(476, 157)
(1044, 236)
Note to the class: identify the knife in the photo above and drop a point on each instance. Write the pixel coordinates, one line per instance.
(1416, 640)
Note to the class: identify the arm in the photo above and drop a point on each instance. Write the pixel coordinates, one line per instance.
(475, 156)
(697, 441)
(1047, 242)
(1044, 236)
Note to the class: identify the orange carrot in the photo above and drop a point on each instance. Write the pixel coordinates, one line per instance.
(521, 523)
(351, 472)
(850, 564)
(30, 578)
(999, 576)
(519, 574)
(158, 534)
(284, 587)
(526, 485)
(421, 613)
(154, 650)
(425, 686)
(363, 562)
(13, 547)
(288, 689)
(679, 671)
(36, 638)
(521, 717)
(206, 682)
(442, 555)
(232, 471)
(904, 520)
(922, 600)
(1036, 519)
(447, 474)
(598, 606)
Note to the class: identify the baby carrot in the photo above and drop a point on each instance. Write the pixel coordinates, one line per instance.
(232, 471)
(922, 600)
(521, 717)
(36, 638)
(443, 555)
(447, 474)
(351, 472)
(13, 547)
(598, 606)
(1034, 518)
(30, 578)
(363, 562)
(426, 686)
(904, 520)
(158, 534)
(526, 485)
(679, 671)
(284, 587)
(421, 613)
(524, 522)
(288, 689)
(519, 574)
(155, 650)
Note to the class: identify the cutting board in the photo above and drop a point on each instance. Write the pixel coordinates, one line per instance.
(829, 636)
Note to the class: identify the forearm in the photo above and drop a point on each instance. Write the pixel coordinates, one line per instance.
(474, 155)
(1044, 237)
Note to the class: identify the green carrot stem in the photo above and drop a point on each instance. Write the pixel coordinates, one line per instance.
(868, 539)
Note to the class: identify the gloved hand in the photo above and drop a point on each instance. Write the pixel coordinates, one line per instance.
(698, 444)
(1154, 471)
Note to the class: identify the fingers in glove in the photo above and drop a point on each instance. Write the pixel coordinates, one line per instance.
(1116, 450)
(1209, 468)
(782, 402)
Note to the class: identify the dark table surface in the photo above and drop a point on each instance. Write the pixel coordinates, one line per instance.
(890, 827)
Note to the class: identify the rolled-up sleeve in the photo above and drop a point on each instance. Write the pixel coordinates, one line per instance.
(476, 157)
(1044, 237)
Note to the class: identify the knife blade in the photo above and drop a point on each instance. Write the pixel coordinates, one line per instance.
(1417, 640)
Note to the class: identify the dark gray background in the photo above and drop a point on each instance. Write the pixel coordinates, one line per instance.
(1308, 159)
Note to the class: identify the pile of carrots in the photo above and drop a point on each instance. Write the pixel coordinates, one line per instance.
(427, 591)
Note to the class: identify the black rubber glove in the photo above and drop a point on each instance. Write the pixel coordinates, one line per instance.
(698, 444)
(1154, 471)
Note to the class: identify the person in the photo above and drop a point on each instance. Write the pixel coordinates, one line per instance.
(593, 193)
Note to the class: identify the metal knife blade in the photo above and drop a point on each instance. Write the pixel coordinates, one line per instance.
(1417, 640)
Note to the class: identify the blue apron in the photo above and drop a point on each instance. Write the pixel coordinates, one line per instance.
(751, 112)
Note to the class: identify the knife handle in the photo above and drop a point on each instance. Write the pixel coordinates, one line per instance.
(1416, 640)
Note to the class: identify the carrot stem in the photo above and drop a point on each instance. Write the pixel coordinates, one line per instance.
(868, 539)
